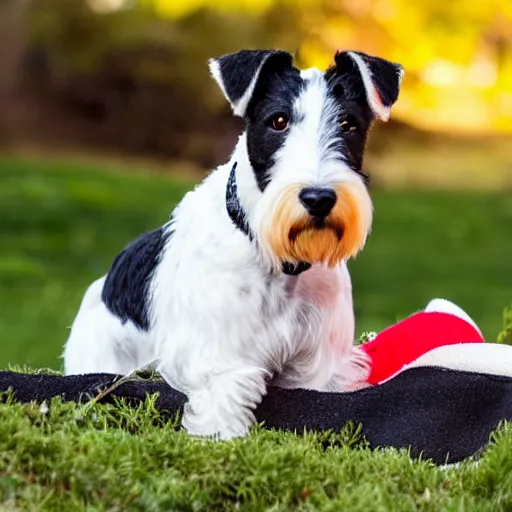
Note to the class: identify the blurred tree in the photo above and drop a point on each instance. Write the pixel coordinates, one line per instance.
(13, 36)
(142, 80)
(457, 54)
(132, 74)
(13, 39)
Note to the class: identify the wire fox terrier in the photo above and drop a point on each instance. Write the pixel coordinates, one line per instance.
(247, 284)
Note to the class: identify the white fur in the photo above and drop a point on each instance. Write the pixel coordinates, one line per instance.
(223, 325)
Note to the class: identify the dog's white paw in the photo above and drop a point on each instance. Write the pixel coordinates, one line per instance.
(217, 424)
(225, 408)
(213, 427)
(214, 432)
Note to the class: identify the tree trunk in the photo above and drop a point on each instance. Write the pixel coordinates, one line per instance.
(13, 41)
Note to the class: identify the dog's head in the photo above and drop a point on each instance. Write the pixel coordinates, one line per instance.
(305, 137)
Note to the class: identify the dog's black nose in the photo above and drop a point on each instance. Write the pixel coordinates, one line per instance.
(318, 201)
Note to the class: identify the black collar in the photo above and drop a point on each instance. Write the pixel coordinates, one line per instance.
(237, 215)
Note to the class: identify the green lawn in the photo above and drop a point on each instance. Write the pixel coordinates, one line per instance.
(111, 458)
(62, 224)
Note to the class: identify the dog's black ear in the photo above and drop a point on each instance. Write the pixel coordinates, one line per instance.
(237, 73)
(381, 79)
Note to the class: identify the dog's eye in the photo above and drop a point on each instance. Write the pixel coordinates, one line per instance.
(338, 90)
(280, 122)
(349, 124)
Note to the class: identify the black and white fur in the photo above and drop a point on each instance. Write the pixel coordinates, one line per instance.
(206, 295)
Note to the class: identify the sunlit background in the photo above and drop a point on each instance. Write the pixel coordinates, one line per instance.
(107, 115)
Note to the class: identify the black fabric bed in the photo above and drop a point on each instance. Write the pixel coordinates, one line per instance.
(440, 414)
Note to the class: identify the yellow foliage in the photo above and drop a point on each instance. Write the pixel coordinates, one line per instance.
(176, 9)
(457, 54)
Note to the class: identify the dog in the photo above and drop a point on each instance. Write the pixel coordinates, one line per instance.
(246, 285)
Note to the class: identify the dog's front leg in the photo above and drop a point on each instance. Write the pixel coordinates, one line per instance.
(350, 364)
(221, 401)
(224, 409)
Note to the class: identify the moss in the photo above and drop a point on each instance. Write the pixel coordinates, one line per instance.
(112, 457)
(505, 336)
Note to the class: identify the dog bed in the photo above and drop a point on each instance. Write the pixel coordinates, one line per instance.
(434, 392)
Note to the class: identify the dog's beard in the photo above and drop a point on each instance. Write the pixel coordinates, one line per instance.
(292, 235)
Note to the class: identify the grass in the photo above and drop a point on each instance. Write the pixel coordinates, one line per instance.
(505, 335)
(59, 457)
(61, 226)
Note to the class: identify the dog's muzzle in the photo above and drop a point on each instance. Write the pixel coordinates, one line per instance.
(319, 225)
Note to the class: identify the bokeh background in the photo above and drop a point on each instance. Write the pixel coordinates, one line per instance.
(108, 115)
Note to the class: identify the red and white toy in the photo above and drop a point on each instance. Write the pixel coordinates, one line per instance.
(442, 335)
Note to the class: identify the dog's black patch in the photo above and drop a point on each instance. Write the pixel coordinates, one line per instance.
(277, 84)
(238, 69)
(386, 77)
(346, 86)
(275, 93)
(126, 288)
